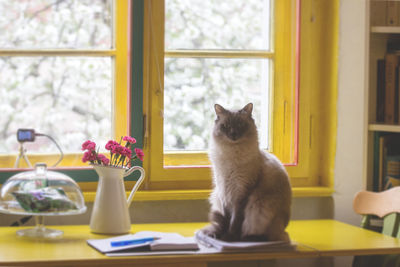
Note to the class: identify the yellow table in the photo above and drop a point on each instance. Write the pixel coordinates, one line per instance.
(334, 238)
(315, 238)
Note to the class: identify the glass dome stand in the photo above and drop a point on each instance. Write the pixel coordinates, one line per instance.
(40, 230)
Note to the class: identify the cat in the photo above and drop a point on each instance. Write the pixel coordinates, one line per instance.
(252, 195)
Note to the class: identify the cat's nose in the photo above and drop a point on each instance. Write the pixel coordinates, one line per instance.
(234, 136)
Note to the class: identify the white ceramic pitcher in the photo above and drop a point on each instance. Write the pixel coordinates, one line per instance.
(110, 214)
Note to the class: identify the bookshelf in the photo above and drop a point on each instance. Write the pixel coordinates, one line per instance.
(384, 128)
(385, 29)
(378, 36)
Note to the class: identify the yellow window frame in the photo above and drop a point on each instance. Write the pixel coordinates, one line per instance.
(120, 117)
(304, 99)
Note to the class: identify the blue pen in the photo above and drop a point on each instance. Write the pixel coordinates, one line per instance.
(131, 242)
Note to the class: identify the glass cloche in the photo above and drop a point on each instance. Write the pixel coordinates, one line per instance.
(41, 193)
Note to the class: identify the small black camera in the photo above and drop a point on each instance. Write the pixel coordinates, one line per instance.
(25, 135)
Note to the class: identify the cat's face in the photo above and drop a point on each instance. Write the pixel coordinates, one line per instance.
(233, 126)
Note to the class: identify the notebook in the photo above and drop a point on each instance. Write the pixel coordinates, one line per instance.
(163, 243)
(223, 246)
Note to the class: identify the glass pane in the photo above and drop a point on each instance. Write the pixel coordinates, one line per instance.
(68, 98)
(218, 24)
(193, 86)
(72, 24)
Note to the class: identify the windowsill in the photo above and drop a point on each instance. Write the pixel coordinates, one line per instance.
(317, 191)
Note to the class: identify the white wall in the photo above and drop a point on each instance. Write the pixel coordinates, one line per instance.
(350, 107)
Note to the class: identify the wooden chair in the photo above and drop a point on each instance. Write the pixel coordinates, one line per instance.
(385, 205)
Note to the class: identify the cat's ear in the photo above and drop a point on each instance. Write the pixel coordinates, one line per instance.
(219, 110)
(248, 109)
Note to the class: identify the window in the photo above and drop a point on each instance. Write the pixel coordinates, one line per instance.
(194, 53)
(227, 52)
(215, 52)
(64, 72)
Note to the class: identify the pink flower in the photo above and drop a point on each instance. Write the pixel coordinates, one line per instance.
(139, 153)
(89, 155)
(129, 139)
(126, 152)
(117, 149)
(111, 144)
(103, 159)
(89, 145)
(120, 155)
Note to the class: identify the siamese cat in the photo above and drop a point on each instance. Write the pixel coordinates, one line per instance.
(252, 194)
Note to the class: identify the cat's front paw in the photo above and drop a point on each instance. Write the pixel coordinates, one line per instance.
(212, 231)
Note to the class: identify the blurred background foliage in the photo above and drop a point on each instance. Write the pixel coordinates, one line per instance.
(194, 85)
(70, 97)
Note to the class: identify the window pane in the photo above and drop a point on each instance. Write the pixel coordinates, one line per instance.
(69, 98)
(217, 24)
(72, 24)
(193, 86)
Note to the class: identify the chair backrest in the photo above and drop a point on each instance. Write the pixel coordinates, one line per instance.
(384, 204)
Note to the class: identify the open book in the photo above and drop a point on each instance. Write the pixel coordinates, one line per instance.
(222, 246)
(145, 243)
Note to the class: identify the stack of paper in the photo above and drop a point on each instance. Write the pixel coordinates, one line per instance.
(222, 246)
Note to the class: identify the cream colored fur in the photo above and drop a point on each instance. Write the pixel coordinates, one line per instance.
(242, 172)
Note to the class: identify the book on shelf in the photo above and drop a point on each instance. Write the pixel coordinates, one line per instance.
(388, 84)
(386, 161)
(380, 92)
(392, 177)
(397, 95)
(391, 88)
